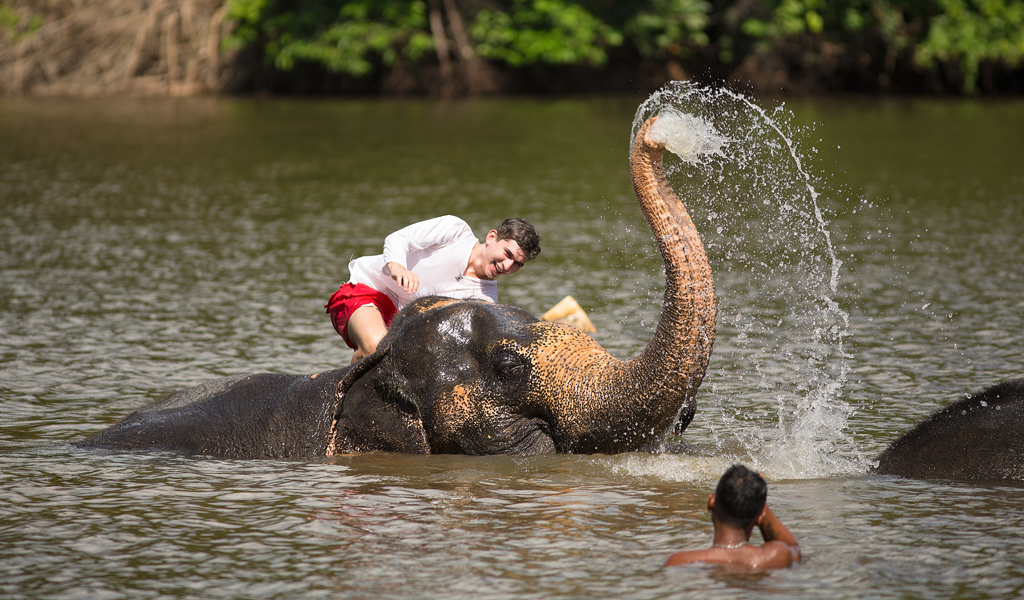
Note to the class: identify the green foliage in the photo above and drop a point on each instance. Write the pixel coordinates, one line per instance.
(840, 21)
(552, 32)
(974, 31)
(667, 27)
(357, 37)
(344, 37)
(900, 22)
(788, 17)
(11, 25)
(966, 32)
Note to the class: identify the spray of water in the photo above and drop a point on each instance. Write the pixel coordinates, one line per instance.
(688, 137)
(773, 394)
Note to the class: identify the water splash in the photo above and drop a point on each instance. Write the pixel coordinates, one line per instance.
(773, 393)
(688, 137)
(700, 470)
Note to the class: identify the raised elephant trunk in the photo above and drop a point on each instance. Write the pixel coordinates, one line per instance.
(681, 346)
(642, 398)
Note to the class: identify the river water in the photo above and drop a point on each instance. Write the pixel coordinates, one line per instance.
(868, 262)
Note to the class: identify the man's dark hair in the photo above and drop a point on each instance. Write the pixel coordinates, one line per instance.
(740, 496)
(523, 233)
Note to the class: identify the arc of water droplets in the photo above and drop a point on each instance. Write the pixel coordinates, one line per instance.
(833, 388)
(833, 283)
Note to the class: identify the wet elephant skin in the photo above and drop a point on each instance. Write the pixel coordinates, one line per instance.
(978, 438)
(265, 415)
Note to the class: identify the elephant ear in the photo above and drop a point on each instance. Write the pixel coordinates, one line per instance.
(371, 418)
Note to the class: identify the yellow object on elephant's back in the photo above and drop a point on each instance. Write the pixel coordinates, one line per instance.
(569, 311)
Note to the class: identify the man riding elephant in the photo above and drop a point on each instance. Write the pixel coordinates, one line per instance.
(472, 376)
(436, 257)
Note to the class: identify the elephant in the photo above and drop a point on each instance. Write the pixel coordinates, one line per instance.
(471, 377)
(980, 437)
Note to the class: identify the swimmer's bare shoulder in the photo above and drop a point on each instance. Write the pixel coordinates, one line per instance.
(772, 555)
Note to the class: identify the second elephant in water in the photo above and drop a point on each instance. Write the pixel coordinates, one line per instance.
(980, 437)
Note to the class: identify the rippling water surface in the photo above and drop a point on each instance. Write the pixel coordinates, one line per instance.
(150, 245)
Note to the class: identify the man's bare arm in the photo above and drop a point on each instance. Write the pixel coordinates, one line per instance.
(776, 534)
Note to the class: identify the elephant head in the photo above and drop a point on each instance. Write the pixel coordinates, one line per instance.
(472, 377)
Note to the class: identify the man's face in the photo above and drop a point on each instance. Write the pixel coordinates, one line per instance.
(502, 257)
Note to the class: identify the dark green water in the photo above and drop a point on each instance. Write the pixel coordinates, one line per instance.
(149, 245)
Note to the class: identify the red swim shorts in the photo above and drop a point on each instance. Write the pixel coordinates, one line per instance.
(351, 296)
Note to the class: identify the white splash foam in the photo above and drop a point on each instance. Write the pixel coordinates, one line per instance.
(674, 467)
(689, 137)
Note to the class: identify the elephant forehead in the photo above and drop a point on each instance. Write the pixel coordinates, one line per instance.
(443, 358)
(449, 334)
(457, 328)
(425, 305)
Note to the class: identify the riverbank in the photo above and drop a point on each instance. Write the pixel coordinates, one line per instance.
(114, 47)
(441, 48)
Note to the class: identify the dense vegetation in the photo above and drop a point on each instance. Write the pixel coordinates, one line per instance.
(451, 47)
(782, 45)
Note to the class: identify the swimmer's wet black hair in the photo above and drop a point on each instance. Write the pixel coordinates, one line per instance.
(740, 496)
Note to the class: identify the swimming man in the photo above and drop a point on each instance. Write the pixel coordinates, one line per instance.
(737, 505)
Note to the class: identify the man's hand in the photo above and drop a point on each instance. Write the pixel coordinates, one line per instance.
(772, 530)
(405, 278)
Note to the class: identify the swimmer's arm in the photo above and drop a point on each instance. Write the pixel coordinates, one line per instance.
(780, 544)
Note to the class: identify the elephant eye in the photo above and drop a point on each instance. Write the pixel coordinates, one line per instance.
(508, 364)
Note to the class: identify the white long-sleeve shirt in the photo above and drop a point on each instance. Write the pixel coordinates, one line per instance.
(437, 251)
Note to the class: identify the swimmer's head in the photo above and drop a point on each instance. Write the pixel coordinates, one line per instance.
(740, 496)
